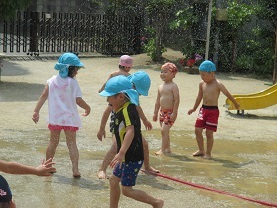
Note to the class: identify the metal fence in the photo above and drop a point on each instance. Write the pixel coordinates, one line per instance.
(34, 33)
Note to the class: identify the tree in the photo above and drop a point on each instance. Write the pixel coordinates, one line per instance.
(267, 11)
(8, 8)
(238, 15)
(159, 13)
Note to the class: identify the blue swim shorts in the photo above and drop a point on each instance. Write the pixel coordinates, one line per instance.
(128, 172)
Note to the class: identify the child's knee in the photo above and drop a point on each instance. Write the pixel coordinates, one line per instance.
(126, 191)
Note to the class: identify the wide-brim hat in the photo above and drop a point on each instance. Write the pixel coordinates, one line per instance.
(120, 84)
(142, 82)
(66, 60)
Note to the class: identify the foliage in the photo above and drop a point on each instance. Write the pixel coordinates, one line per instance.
(239, 14)
(8, 8)
(159, 13)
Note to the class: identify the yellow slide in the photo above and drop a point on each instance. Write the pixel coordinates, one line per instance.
(254, 101)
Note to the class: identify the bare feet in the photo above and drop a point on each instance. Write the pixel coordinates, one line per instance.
(198, 154)
(160, 204)
(207, 157)
(166, 152)
(102, 175)
(76, 173)
(151, 169)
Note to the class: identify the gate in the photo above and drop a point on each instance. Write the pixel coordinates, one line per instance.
(34, 33)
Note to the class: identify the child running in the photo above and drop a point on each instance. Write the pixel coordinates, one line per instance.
(167, 105)
(127, 130)
(141, 82)
(64, 94)
(209, 91)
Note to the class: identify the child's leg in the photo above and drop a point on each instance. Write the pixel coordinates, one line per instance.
(210, 142)
(73, 151)
(165, 140)
(200, 142)
(147, 166)
(107, 160)
(53, 143)
(114, 191)
(141, 196)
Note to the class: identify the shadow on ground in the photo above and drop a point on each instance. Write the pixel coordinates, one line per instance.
(20, 91)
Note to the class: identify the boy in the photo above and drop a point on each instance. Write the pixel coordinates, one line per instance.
(141, 82)
(167, 104)
(209, 90)
(127, 130)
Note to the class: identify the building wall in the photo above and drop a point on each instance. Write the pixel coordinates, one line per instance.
(64, 6)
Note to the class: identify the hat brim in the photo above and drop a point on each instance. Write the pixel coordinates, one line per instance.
(106, 94)
(81, 64)
(133, 96)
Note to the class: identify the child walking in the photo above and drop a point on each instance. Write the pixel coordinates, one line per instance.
(127, 130)
(167, 105)
(141, 82)
(209, 91)
(63, 94)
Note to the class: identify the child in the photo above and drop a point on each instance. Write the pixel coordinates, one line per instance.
(45, 169)
(64, 94)
(141, 82)
(125, 65)
(167, 104)
(127, 130)
(209, 90)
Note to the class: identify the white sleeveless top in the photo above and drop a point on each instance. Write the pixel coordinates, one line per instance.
(62, 105)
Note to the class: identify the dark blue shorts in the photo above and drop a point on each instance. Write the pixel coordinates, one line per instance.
(128, 172)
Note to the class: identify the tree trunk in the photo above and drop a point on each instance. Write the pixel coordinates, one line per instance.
(274, 78)
(234, 52)
(158, 45)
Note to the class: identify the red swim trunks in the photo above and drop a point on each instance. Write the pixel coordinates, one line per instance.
(165, 117)
(57, 127)
(207, 118)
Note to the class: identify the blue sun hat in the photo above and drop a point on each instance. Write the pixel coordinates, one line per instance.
(66, 60)
(5, 191)
(120, 84)
(207, 66)
(142, 82)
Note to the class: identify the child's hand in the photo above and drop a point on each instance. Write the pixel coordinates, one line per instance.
(87, 112)
(101, 133)
(118, 159)
(35, 117)
(147, 125)
(45, 168)
(155, 117)
(237, 105)
(190, 111)
(173, 117)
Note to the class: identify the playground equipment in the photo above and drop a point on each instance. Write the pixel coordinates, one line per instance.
(262, 99)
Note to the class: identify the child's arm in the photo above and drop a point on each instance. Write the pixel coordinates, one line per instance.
(228, 95)
(102, 133)
(198, 100)
(81, 103)
(146, 123)
(128, 138)
(176, 98)
(40, 103)
(157, 107)
(44, 169)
